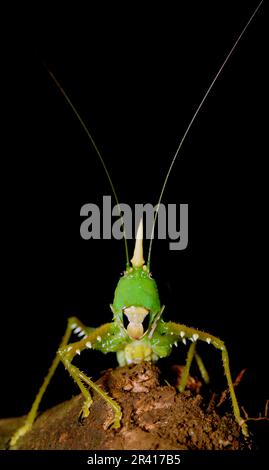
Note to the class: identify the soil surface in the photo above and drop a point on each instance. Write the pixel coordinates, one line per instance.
(155, 416)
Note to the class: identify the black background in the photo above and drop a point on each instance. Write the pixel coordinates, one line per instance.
(136, 74)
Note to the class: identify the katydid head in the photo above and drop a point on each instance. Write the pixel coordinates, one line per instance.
(136, 301)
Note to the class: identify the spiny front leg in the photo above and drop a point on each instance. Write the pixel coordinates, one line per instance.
(192, 334)
(67, 354)
(73, 323)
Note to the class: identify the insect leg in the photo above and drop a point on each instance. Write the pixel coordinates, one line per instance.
(202, 368)
(72, 322)
(193, 354)
(193, 334)
(78, 328)
(187, 367)
(66, 355)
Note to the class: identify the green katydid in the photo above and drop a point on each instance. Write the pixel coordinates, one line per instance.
(136, 299)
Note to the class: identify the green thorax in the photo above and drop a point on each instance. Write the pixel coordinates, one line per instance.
(136, 287)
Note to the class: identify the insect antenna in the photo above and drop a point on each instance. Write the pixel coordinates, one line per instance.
(193, 119)
(86, 130)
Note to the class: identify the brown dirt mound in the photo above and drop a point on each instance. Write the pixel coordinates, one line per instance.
(155, 416)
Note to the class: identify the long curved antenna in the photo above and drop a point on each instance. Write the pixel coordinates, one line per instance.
(193, 119)
(96, 150)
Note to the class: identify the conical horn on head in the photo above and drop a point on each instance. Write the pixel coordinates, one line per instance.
(137, 259)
